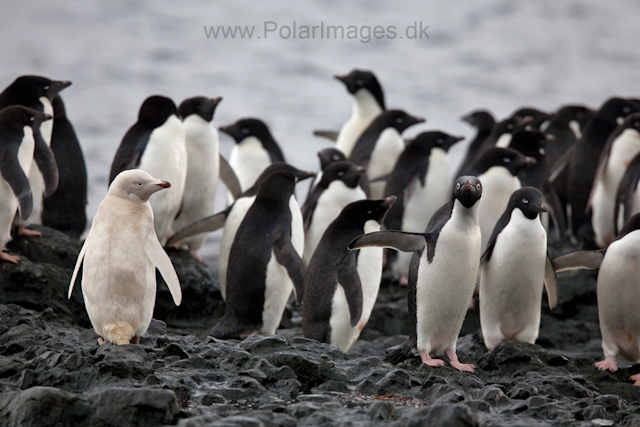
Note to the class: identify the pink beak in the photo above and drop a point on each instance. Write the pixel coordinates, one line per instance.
(164, 184)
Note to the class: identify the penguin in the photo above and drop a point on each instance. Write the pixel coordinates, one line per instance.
(36, 92)
(368, 103)
(512, 271)
(532, 116)
(254, 151)
(583, 163)
(500, 136)
(419, 180)
(341, 286)
(617, 292)
(17, 151)
(203, 167)
(442, 275)
(156, 145)
(265, 263)
(623, 145)
(628, 194)
(120, 257)
(65, 210)
(497, 169)
(483, 121)
(326, 157)
(379, 147)
(338, 187)
(231, 218)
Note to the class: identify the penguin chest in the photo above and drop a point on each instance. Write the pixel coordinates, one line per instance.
(248, 159)
(385, 153)
(512, 280)
(365, 109)
(618, 293)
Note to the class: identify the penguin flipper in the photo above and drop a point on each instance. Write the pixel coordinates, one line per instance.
(12, 172)
(349, 279)
(331, 135)
(288, 257)
(210, 223)
(555, 210)
(46, 162)
(400, 353)
(229, 178)
(77, 267)
(162, 262)
(562, 162)
(551, 283)
(399, 240)
(589, 260)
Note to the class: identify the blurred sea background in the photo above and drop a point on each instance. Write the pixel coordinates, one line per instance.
(495, 54)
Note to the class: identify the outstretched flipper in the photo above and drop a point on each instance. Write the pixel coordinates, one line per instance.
(12, 172)
(229, 178)
(46, 162)
(589, 260)
(399, 240)
(162, 262)
(78, 264)
(349, 279)
(208, 224)
(551, 283)
(331, 135)
(288, 257)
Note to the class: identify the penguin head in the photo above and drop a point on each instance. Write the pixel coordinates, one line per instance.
(136, 185)
(330, 155)
(277, 186)
(615, 110)
(576, 113)
(505, 126)
(529, 142)
(368, 210)
(632, 121)
(397, 119)
(34, 87)
(467, 190)
(528, 200)
(155, 110)
(434, 139)
(245, 128)
(508, 158)
(203, 107)
(362, 79)
(480, 119)
(533, 117)
(279, 167)
(23, 116)
(345, 171)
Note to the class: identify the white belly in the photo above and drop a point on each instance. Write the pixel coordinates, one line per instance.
(497, 186)
(248, 159)
(383, 158)
(9, 205)
(504, 140)
(365, 109)
(278, 288)
(511, 283)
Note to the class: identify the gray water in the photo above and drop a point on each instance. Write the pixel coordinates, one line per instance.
(496, 54)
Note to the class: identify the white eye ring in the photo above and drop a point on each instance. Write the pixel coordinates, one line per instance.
(341, 173)
(457, 185)
(245, 131)
(506, 160)
(46, 87)
(525, 201)
(31, 119)
(478, 187)
(336, 157)
(399, 120)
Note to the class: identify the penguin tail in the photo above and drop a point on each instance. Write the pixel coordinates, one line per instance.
(118, 332)
(400, 353)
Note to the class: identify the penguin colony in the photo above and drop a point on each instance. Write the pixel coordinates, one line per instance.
(379, 203)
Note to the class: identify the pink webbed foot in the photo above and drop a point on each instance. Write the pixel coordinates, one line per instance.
(636, 379)
(101, 341)
(427, 360)
(453, 359)
(23, 231)
(134, 340)
(4, 256)
(608, 364)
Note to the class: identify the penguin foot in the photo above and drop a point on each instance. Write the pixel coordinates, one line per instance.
(4, 256)
(101, 341)
(24, 231)
(636, 379)
(134, 340)
(427, 360)
(453, 359)
(608, 364)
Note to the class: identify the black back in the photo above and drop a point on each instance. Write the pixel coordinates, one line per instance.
(203, 107)
(65, 210)
(27, 90)
(333, 263)
(361, 79)
(245, 128)
(397, 119)
(508, 158)
(483, 121)
(154, 112)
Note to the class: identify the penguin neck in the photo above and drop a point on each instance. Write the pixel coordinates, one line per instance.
(465, 216)
(365, 105)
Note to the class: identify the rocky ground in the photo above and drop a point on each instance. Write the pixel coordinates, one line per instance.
(53, 373)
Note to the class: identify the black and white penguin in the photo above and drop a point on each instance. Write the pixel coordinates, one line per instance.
(368, 103)
(17, 153)
(623, 145)
(341, 286)
(628, 194)
(420, 181)
(36, 92)
(483, 122)
(618, 294)
(379, 147)
(585, 158)
(203, 166)
(65, 210)
(497, 169)
(500, 136)
(512, 271)
(326, 157)
(156, 145)
(442, 277)
(254, 151)
(338, 187)
(265, 262)
(231, 218)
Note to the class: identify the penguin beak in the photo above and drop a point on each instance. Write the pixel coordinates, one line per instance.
(467, 119)
(302, 175)
(388, 201)
(341, 77)
(360, 170)
(163, 184)
(543, 208)
(56, 87)
(216, 101)
(458, 138)
(529, 161)
(419, 119)
(549, 137)
(47, 117)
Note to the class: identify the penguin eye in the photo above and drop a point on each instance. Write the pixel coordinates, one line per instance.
(336, 157)
(139, 184)
(399, 120)
(31, 118)
(510, 126)
(478, 187)
(46, 87)
(525, 201)
(506, 160)
(626, 109)
(245, 130)
(360, 82)
(457, 185)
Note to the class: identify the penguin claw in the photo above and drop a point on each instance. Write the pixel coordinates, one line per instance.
(636, 379)
(608, 364)
(463, 367)
(101, 341)
(4, 256)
